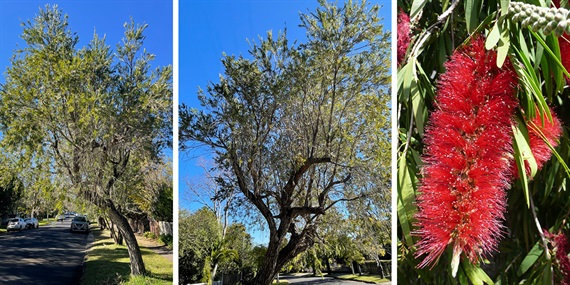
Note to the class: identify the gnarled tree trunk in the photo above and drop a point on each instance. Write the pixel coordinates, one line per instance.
(137, 264)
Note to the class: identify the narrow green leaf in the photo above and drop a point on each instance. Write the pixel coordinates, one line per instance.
(530, 259)
(503, 48)
(472, 8)
(475, 273)
(404, 81)
(418, 106)
(521, 138)
(522, 172)
(550, 52)
(493, 37)
(417, 6)
(406, 198)
(504, 7)
(547, 273)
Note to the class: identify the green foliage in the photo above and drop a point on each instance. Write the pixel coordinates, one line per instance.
(91, 116)
(167, 240)
(10, 194)
(521, 255)
(150, 235)
(301, 128)
(202, 246)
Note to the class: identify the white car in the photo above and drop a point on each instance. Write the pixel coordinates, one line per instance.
(16, 224)
(79, 224)
(31, 223)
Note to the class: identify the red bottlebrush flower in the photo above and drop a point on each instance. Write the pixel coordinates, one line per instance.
(538, 127)
(466, 159)
(561, 247)
(403, 35)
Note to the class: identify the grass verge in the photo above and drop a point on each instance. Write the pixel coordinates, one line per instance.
(108, 263)
(364, 278)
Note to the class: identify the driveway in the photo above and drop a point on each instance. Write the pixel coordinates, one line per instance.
(47, 255)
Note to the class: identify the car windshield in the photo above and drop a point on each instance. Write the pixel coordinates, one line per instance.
(79, 219)
(28, 219)
(13, 220)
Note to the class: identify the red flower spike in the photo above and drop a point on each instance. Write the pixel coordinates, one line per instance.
(467, 157)
(540, 128)
(561, 247)
(403, 36)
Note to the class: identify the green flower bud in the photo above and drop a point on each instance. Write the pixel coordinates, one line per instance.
(535, 27)
(550, 26)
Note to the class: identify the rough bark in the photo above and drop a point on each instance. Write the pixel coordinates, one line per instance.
(137, 264)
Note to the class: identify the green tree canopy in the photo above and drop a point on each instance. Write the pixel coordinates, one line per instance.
(301, 128)
(91, 114)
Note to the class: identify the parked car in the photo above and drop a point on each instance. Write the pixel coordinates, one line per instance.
(60, 218)
(16, 224)
(31, 223)
(79, 224)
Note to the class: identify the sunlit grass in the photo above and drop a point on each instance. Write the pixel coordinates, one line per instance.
(108, 263)
(365, 278)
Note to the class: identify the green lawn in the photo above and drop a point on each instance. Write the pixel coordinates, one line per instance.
(365, 278)
(108, 263)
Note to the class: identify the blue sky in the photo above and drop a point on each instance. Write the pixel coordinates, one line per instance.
(104, 16)
(210, 28)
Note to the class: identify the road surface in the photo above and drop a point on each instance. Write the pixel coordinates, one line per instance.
(309, 280)
(47, 255)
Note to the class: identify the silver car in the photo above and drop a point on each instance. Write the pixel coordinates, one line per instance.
(16, 224)
(31, 223)
(79, 224)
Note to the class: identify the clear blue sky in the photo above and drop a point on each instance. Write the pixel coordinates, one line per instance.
(104, 16)
(209, 28)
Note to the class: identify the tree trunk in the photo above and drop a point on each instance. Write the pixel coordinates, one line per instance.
(102, 223)
(137, 264)
(266, 273)
(117, 237)
(327, 260)
(214, 272)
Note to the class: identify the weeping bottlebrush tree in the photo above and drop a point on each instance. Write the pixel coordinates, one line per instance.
(483, 142)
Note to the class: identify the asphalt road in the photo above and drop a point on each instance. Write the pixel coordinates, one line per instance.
(309, 280)
(47, 255)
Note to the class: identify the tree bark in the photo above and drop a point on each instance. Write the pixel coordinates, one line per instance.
(137, 264)
(266, 273)
(117, 237)
(214, 272)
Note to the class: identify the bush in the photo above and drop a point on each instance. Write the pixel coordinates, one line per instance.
(150, 235)
(167, 240)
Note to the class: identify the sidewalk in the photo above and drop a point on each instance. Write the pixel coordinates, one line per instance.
(155, 246)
